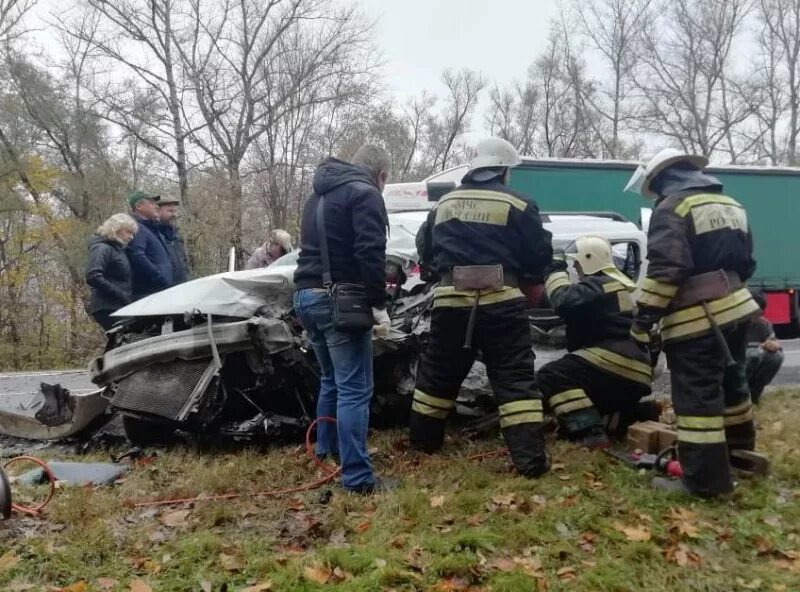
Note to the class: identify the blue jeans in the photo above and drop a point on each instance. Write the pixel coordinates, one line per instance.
(346, 386)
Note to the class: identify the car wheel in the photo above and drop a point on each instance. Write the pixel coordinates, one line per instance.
(142, 432)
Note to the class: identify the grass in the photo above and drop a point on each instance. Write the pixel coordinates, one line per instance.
(456, 524)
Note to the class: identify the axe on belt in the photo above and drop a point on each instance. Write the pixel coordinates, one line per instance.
(704, 288)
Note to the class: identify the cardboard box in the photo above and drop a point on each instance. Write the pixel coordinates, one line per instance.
(651, 436)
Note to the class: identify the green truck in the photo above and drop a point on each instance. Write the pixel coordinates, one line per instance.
(771, 196)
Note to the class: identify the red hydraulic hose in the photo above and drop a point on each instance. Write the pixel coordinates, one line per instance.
(34, 510)
(330, 473)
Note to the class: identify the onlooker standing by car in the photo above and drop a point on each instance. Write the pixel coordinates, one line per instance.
(278, 243)
(764, 351)
(355, 226)
(168, 216)
(108, 271)
(148, 251)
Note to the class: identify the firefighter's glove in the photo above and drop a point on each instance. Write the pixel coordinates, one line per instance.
(559, 263)
(641, 334)
(654, 347)
(383, 324)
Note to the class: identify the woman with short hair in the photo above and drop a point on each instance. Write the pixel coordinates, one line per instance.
(108, 272)
(278, 243)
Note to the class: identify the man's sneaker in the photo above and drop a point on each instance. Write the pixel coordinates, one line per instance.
(380, 485)
(594, 438)
(670, 485)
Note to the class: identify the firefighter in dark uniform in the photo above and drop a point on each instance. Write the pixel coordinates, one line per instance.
(481, 239)
(605, 372)
(700, 254)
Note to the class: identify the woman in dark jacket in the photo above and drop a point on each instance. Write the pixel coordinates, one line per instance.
(108, 272)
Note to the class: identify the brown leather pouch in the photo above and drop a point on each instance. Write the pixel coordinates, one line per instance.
(478, 277)
(705, 287)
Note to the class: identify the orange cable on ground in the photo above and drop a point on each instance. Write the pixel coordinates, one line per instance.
(331, 474)
(34, 510)
(490, 454)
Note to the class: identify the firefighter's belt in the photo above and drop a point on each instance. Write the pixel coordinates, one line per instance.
(706, 287)
(486, 278)
(693, 320)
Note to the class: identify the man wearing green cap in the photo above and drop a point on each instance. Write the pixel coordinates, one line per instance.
(148, 252)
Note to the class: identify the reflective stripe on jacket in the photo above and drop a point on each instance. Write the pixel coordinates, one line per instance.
(598, 312)
(690, 234)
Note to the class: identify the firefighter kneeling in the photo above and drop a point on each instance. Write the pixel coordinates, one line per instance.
(605, 372)
(481, 239)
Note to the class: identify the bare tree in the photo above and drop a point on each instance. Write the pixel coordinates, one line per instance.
(247, 59)
(687, 78)
(779, 74)
(514, 115)
(11, 14)
(463, 89)
(614, 30)
(416, 113)
(138, 35)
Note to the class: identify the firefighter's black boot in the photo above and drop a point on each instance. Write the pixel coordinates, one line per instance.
(527, 448)
(426, 433)
(594, 438)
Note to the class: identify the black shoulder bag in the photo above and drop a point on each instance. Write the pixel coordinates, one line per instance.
(350, 309)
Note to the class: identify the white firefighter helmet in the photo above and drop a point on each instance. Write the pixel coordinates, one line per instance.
(593, 253)
(494, 153)
(645, 173)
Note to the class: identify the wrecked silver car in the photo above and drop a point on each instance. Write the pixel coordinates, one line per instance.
(225, 355)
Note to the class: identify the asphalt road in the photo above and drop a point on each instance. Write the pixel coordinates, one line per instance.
(19, 386)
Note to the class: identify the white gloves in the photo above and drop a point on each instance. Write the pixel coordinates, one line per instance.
(383, 323)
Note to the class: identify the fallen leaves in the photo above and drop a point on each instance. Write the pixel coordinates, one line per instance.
(139, 586)
(8, 561)
(262, 587)
(322, 574)
(789, 561)
(683, 522)
(566, 574)
(682, 555)
(80, 586)
(105, 584)
(633, 533)
(437, 501)
(531, 566)
(231, 562)
(176, 519)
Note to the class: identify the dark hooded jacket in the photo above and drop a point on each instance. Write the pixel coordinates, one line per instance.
(150, 259)
(108, 274)
(355, 224)
(177, 252)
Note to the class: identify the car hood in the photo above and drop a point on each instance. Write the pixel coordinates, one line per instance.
(231, 293)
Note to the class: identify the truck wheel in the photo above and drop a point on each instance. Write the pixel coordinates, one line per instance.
(145, 433)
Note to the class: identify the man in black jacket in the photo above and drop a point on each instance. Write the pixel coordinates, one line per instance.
(700, 254)
(481, 239)
(355, 224)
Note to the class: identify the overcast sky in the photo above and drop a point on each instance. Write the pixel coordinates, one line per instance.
(420, 38)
